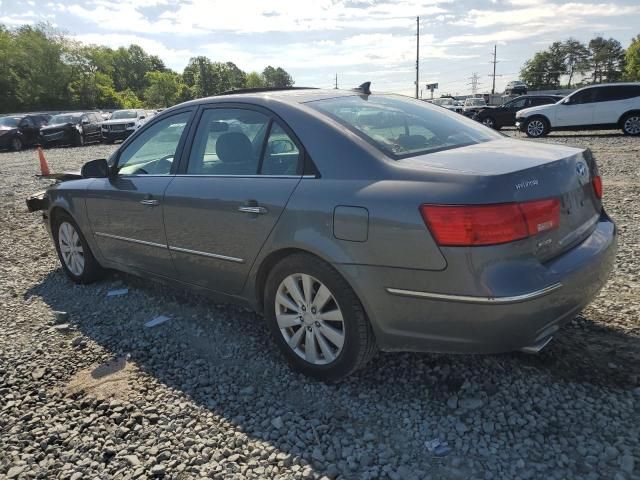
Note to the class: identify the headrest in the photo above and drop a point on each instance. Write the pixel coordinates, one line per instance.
(234, 147)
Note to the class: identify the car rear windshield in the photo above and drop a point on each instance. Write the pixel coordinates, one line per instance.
(403, 127)
(124, 114)
(9, 121)
(65, 118)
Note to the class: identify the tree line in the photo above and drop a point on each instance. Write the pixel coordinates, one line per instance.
(42, 69)
(601, 60)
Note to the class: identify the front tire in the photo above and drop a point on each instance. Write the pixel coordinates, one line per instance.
(316, 319)
(73, 251)
(631, 124)
(536, 127)
(489, 122)
(79, 140)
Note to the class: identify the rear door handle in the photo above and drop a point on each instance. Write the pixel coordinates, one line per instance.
(253, 209)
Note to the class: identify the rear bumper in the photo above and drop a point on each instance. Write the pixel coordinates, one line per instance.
(408, 317)
(520, 124)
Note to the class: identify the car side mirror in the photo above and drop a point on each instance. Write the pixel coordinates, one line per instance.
(142, 118)
(95, 169)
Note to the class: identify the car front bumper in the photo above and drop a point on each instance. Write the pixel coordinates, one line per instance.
(116, 135)
(409, 314)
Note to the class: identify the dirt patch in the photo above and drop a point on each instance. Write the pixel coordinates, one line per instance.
(109, 380)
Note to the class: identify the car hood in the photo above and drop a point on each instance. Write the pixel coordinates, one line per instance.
(495, 157)
(525, 112)
(119, 121)
(57, 125)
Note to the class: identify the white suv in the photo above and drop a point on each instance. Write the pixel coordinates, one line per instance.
(598, 107)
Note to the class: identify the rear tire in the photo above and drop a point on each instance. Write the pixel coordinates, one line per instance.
(73, 251)
(536, 127)
(631, 124)
(316, 319)
(16, 144)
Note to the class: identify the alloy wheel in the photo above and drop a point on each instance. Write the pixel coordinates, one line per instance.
(310, 319)
(71, 248)
(632, 125)
(16, 144)
(535, 128)
(488, 122)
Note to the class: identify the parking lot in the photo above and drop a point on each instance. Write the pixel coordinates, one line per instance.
(90, 392)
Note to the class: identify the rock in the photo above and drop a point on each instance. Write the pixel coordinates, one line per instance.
(158, 470)
(627, 463)
(277, 423)
(461, 427)
(132, 460)
(470, 403)
(38, 373)
(246, 391)
(63, 327)
(488, 427)
(60, 317)
(452, 402)
(14, 472)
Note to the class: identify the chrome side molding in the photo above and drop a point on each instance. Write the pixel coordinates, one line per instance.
(206, 254)
(474, 299)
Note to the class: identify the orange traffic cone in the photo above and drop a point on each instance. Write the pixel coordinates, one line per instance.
(44, 167)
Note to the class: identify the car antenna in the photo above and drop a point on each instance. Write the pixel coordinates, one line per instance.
(364, 88)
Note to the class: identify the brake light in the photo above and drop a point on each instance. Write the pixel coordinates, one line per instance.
(597, 185)
(468, 225)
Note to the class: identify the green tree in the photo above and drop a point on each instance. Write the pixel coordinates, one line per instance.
(544, 70)
(576, 58)
(9, 81)
(163, 90)
(632, 60)
(607, 60)
(276, 77)
(254, 80)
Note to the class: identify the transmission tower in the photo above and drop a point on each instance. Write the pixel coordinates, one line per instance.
(474, 82)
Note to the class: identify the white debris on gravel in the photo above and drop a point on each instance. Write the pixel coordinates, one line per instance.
(209, 396)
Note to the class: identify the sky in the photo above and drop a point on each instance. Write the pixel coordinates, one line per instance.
(358, 40)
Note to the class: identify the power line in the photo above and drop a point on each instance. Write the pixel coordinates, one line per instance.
(336, 87)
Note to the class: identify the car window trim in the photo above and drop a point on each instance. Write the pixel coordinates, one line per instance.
(182, 168)
(179, 149)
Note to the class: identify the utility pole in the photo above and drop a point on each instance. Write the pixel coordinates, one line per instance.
(336, 87)
(474, 82)
(494, 61)
(417, 53)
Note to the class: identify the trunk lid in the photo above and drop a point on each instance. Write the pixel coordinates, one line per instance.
(505, 171)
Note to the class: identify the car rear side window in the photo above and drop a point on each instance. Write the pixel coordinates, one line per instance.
(402, 127)
(152, 151)
(228, 141)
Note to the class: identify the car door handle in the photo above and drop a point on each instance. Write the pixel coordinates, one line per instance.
(150, 202)
(253, 209)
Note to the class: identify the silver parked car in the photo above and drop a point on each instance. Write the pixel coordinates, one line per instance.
(353, 221)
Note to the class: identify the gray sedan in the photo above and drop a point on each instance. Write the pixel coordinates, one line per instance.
(353, 221)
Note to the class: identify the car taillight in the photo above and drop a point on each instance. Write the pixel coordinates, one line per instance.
(468, 225)
(597, 185)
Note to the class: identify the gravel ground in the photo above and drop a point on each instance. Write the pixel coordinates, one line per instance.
(86, 391)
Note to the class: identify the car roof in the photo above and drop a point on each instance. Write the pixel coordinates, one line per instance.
(298, 95)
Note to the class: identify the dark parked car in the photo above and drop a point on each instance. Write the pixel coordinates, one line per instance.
(516, 87)
(505, 114)
(353, 221)
(75, 128)
(18, 131)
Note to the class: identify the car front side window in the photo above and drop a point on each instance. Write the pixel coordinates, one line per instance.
(152, 152)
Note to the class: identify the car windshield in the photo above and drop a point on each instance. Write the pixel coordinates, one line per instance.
(9, 121)
(119, 114)
(402, 127)
(443, 101)
(474, 102)
(65, 118)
